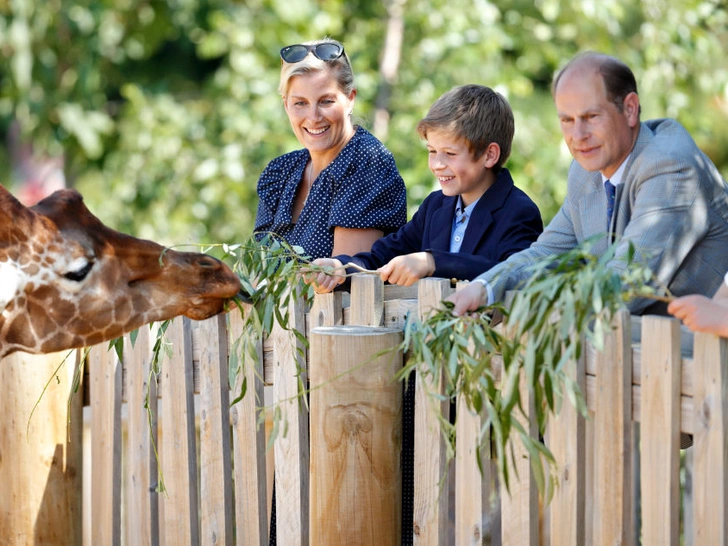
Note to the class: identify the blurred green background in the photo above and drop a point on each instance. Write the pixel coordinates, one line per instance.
(163, 114)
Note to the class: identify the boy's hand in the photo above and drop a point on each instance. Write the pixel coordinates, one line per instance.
(468, 299)
(408, 269)
(326, 281)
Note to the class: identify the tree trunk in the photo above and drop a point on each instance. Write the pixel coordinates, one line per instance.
(389, 65)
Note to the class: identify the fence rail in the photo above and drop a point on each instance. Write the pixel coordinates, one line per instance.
(216, 468)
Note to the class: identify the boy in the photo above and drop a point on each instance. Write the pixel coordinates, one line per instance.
(479, 217)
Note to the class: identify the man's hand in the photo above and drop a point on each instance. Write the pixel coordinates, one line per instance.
(408, 269)
(326, 281)
(469, 298)
(701, 314)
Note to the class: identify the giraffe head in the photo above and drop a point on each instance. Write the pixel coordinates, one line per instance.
(67, 280)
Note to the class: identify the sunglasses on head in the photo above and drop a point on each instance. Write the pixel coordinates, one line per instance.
(326, 51)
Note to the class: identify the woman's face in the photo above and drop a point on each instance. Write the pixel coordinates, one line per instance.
(319, 112)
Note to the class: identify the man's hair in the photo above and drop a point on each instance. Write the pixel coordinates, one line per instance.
(476, 114)
(339, 68)
(619, 81)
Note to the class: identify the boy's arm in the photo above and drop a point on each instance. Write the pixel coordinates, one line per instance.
(405, 240)
(515, 232)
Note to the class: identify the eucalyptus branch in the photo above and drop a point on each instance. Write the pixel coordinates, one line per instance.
(569, 298)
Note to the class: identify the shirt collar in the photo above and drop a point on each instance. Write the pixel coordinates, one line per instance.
(616, 178)
(466, 210)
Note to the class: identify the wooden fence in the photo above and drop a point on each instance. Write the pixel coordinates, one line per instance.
(216, 468)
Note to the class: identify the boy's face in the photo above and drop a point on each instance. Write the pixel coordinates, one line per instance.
(453, 164)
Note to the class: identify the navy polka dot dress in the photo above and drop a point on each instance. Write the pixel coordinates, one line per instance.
(361, 188)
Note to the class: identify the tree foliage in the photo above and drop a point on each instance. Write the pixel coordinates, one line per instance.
(166, 112)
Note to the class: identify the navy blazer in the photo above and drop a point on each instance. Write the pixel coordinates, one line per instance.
(504, 221)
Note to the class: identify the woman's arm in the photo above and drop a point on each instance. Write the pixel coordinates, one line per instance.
(351, 241)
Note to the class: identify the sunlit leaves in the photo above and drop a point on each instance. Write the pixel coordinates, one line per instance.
(270, 271)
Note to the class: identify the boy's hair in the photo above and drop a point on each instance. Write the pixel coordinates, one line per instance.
(476, 114)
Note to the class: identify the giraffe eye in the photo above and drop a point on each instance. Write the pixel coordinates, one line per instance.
(78, 275)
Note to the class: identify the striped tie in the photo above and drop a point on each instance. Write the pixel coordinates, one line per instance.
(610, 191)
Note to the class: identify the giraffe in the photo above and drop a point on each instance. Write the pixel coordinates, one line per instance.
(69, 281)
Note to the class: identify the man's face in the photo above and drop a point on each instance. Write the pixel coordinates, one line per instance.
(598, 134)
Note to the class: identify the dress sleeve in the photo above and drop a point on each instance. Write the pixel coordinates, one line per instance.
(371, 194)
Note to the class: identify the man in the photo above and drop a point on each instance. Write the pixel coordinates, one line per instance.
(670, 201)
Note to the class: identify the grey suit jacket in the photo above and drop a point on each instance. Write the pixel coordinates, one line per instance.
(672, 205)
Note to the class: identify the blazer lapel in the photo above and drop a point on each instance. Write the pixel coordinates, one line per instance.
(441, 225)
(482, 216)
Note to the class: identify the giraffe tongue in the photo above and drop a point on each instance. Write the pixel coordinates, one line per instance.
(244, 296)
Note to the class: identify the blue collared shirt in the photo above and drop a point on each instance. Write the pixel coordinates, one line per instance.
(460, 223)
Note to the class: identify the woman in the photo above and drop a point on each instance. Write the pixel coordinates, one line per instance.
(342, 191)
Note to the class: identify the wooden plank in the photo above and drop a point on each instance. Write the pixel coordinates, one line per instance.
(40, 451)
(430, 517)
(356, 432)
(519, 504)
(687, 414)
(291, 448)
(590, 479)
(105, 378)
(711, 440)
(142, 499)
(396, 292)
(249, 454)
(326, 310)
(566, 438)
(471, 485)
(395, 312)
(686, 374)
(612, 508)
(178, 449)
(660, 430)
(216, 510)
(367, 300)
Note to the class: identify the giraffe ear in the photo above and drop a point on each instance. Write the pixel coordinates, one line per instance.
(10, 284)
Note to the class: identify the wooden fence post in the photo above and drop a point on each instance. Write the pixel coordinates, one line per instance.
(291, 447)
(216, 488)
(105, 387)
(356, 424)
(519, 505)
(251, 498)
(472, 495)
(178, 450)
(661, 366)
(431, 506)
(710, 484)
(40, 456)
(142, 500)
(566, 438)
(613, 431)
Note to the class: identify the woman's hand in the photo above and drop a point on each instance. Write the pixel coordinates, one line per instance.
(326, 281)
(408, 269)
